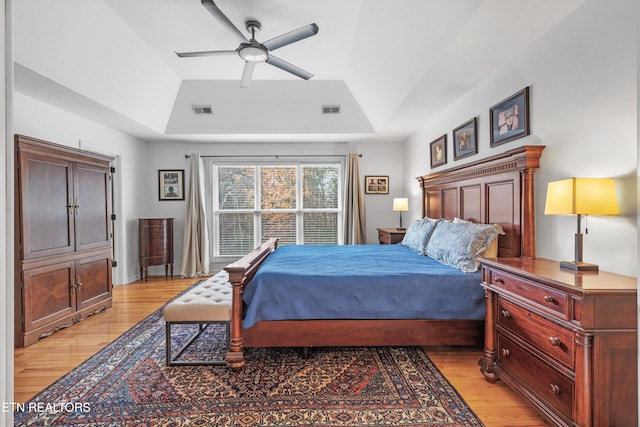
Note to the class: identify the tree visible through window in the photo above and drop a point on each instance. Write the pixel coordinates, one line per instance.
(297, 203)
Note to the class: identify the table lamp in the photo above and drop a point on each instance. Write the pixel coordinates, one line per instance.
(581, 196)
(401, 204)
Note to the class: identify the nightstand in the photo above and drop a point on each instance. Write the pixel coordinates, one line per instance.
(391, 236)
(565, 340)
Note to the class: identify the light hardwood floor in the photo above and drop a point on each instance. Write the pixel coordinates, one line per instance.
(42, 363)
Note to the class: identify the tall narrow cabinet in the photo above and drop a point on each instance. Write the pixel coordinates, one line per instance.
(155, 237)
(63, 237)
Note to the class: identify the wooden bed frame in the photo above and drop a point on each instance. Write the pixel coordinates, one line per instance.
(497, 190)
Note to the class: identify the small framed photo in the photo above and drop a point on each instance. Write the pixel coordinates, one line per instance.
(438, 150)
(171, 184)
(376, 184)
(465, 141)
(510, 118)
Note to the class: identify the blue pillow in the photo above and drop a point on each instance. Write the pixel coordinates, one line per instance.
(418, 234)
(459, 244)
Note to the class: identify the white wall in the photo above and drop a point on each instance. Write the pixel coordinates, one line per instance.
(39, 120)
(583, 78)
(380, 158)
(6, 214)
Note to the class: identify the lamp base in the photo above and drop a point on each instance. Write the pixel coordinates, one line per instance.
(401, 228)
(579, 266)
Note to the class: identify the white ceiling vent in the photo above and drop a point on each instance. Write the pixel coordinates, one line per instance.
(330, 109)
(202, 109)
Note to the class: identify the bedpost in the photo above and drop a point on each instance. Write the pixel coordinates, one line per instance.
(235, 354)
(240, 273)
(528, 218)
(532, 155)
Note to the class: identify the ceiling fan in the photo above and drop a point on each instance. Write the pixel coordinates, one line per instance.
(252, 51)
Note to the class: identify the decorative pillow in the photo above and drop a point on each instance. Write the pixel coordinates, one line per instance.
(418, 234)
(459, 244)
(492, 249)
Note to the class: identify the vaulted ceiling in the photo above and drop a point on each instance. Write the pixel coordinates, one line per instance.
(388, 64)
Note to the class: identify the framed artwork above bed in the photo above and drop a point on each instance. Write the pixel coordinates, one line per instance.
(465, 140)
(510, 118)
(438, 149)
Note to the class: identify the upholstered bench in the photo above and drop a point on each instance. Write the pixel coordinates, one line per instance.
(207, 303)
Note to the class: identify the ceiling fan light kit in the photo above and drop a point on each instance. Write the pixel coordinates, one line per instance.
(252, 51)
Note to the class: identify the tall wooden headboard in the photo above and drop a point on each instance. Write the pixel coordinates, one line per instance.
(494, 190)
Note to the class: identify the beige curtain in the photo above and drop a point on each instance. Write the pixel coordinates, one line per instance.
(354, 212)
(195, 247)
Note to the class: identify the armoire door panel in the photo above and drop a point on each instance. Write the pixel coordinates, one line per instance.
(48, 294)
(46, 194)
(91, 207)
(93, 279)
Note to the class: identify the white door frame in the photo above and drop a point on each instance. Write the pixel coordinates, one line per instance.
(118, 232)
(6, 215)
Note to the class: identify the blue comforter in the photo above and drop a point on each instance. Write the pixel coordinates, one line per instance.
(360, 282)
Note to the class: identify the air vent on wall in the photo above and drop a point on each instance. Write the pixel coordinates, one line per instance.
(202, 109)
(330, 109)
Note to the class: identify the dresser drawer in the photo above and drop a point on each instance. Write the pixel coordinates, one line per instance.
(551, 300)
(551, 339)
(551, 386)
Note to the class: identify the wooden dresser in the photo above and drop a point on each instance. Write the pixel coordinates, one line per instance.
(63, 237)
(390, 236)
(565, 340)
(155, 237)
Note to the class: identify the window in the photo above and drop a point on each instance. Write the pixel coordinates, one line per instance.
(297, 203)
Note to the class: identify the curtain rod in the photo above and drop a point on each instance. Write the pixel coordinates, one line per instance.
(276, 156)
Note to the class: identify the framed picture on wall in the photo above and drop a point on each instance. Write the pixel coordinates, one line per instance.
(171, 184)
(465, 141)
(376, 184)
(438, 150)
(510, 118)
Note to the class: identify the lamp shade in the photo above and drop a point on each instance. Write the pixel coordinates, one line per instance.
(400, 204)
(582, 196)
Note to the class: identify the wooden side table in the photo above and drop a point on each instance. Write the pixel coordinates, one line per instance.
(391, 236)
(156, 244)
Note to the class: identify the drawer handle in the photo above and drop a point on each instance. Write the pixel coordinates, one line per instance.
(506, 314)
(505, 352)
(554, 341)
(499, 280)
(554, 388)
(549, 299)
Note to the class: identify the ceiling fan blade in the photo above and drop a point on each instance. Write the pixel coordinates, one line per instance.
(290, 68)
(217, 13)
(205, 53)
(291, 37)
(247, 72)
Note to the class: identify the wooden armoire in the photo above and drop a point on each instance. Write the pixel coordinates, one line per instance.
(62, 236)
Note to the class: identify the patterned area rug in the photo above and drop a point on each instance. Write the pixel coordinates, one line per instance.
(128, 384)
